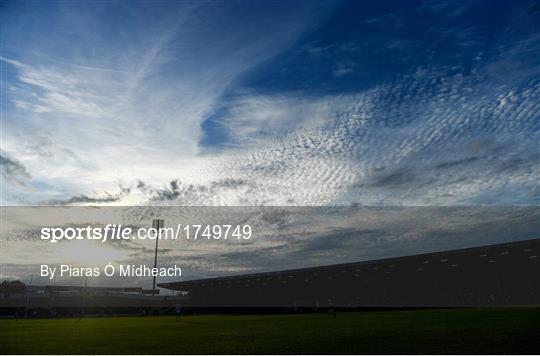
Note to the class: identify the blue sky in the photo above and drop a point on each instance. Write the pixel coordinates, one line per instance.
(270, 103)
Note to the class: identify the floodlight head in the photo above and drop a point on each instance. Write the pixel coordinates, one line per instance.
(158, 223)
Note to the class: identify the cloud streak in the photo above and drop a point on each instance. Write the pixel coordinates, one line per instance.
(13, 171)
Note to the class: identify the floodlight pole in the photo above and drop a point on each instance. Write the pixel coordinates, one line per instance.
(157, 224)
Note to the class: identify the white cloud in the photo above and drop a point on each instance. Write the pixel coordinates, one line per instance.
(134, 110)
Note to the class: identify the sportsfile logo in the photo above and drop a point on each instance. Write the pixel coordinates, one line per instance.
(120, 232)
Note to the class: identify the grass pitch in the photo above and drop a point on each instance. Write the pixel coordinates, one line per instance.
(508, 330)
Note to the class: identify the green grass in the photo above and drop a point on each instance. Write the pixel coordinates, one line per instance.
(508, 330)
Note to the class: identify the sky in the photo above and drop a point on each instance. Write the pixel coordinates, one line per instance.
(270, 103)
(273, 103)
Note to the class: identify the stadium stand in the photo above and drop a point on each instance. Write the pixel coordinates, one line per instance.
(503, 274)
